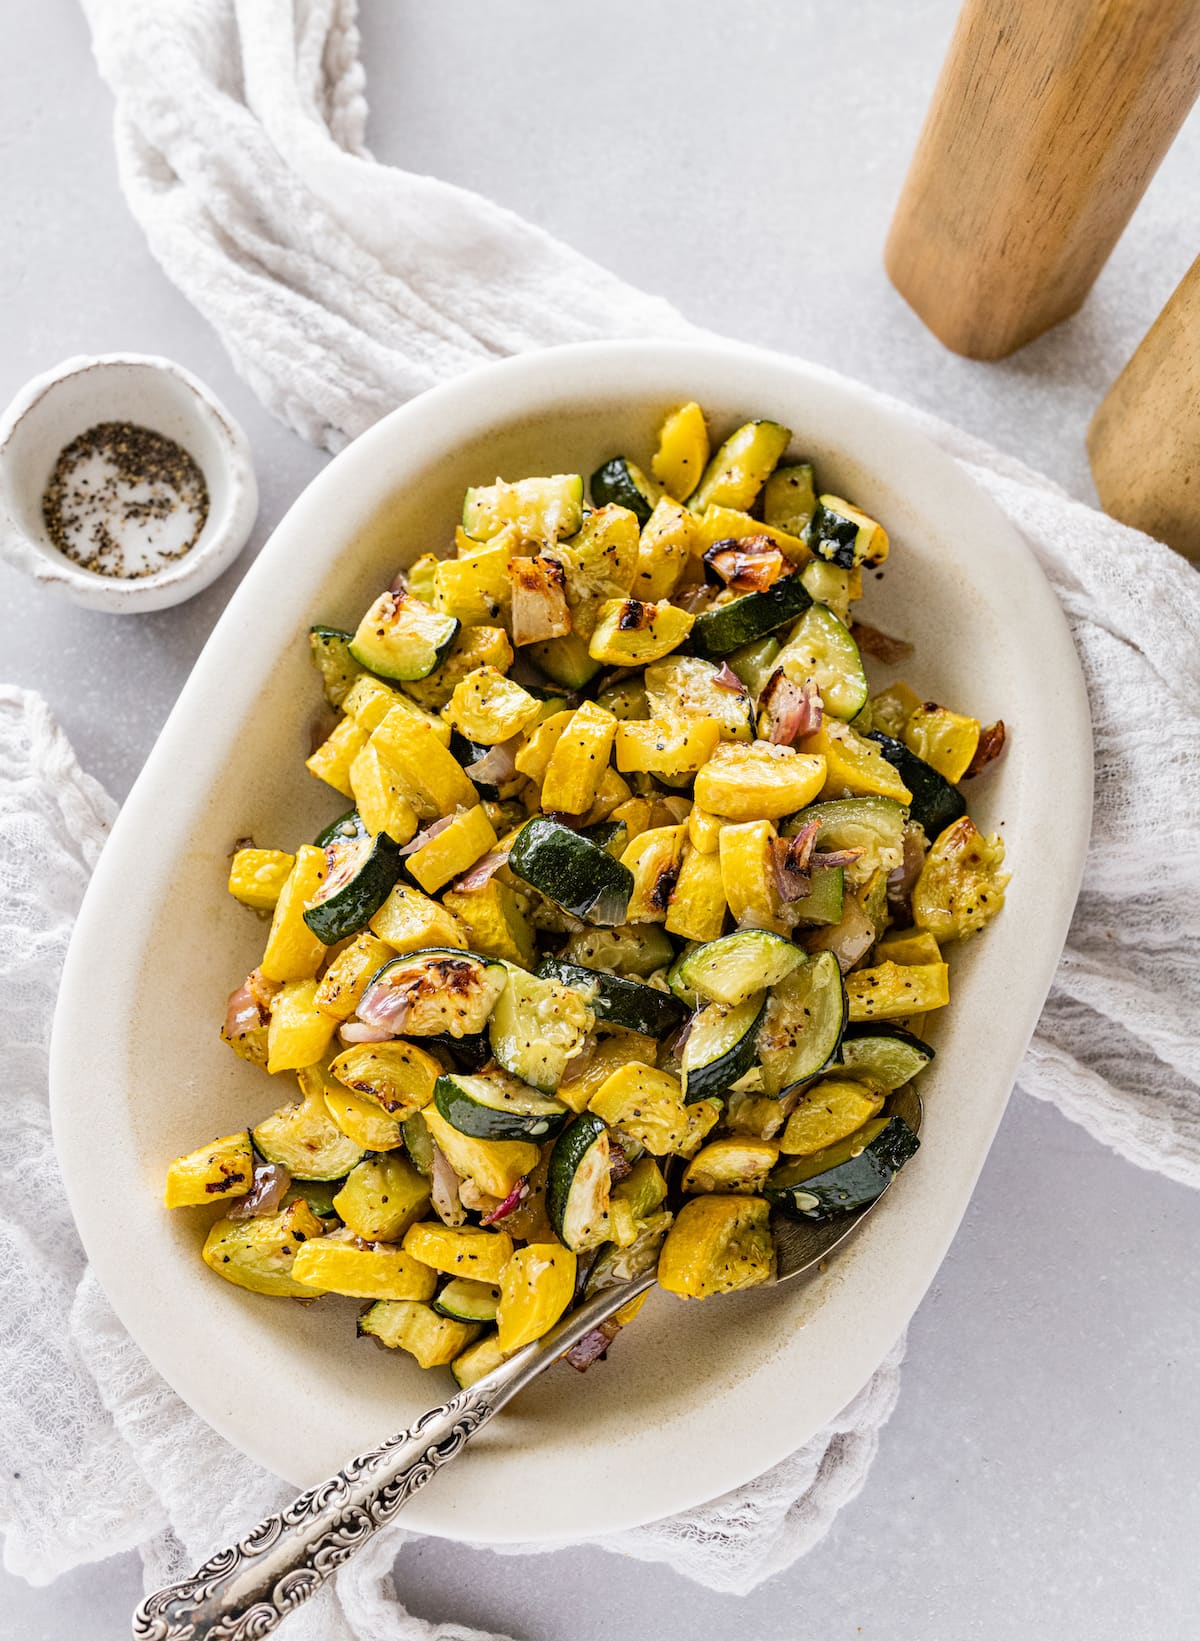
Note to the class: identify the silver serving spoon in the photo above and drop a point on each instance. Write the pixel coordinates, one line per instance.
(246, 1589)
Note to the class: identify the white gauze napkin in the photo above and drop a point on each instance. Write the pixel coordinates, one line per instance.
(340, 288)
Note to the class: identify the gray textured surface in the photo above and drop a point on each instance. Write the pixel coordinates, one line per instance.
(1038, 1477)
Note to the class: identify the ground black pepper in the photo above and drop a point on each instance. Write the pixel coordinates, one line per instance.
(123, 500)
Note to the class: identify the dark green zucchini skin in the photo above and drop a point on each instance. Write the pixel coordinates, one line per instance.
(488, 1123)
(613, 483)
(712, 1080)
(727, 628)
(850, 1185)
(570, 1148)
(470, 1052)
(345, 829)
(887, 1037)
(935, 803)
(349, 908)
(572, 871)
(832, 536)
(621, 1002)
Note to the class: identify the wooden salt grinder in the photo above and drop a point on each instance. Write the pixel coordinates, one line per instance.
(1144, 441)
(1049, 119)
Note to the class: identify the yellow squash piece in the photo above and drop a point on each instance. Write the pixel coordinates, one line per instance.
(495, 1166)
(224, 1168)
(717, 1244)
(298, 1033)
(472, 647)
(495, 922)
(961, 886)
(382, 799)
(909, 946)
(696, 909)
(257, 877)
(832, 586)
(646, 1104)
(474, 587)
(382, 1197)
(540, 741)
(338, 1263)
(407, 1324)
(704, 830)
(667, 541)
(871, 541)
(668, 745)
(702, 1117)
(736, 1166)
(332, 760)
(293, 950)
(893, 707)
(727, 524)
(653, 857)
(536, 1287)
(683, 451)
(630, 632)
(361, 1119)
(258, 1253)
(488, 708)
(468, 1250)
(477, 1361)
(759, 781)
(854, 766)
(347, 977)
(828, 1111)
(611, 1053)
(448, 855)
(427, 769)
(685, 685)
(398, 1076)
(748, 877)
(579, 759)
(612, 791)
(421, 576)
(410, 921)
(943, 738)
(892, 990)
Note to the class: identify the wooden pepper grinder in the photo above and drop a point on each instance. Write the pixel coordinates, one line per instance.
(1049, 119)
(1144, 441)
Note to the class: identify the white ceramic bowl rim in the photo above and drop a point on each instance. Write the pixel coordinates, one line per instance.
(42, 416)
(808, 1348)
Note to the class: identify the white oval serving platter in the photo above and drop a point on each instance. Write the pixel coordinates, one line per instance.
(696, 1398)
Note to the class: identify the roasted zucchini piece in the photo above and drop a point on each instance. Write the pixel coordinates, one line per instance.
(935, 803)
(359, 875)
(630, 632)
(730, 627)
(536, 1025)
(406, 1324)
(717, 1244)
(329, 649)
(298, 1034)
(634, 1199)
(683, 451)
(538, 510)
(890, 991)
(223, 1168)
(617, 1001)
(399, 1077)
(572, 871)
(409, 921)
(825, 901)
(402, 637)
(619, 483)
(293, 951)
(468, 1250)
(257, 877)
(536, 1287)
(646, 1104)
(496, 1166)
(803, 1024)
(842, 535)
(486, 707)
(835, 588)
(468, 1301)
(381, 1198)
(453, 850)
(731, 1165)
(828, 1111)
(847, 1176)
(430, 992)
(640, 949)
(740, 468)
(258, 1253)
(497, 1108)
(789, 500)
(671, 745)
(961, 886)
(874, 826)
(734, 968)
(472, 647)
(565, 660)
(577, 1183)
(759, 781)
(820, 650)
(579, 758)
(340, 1263)
(721, 1047)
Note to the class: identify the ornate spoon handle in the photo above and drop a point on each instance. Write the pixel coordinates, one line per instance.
(243, 1591)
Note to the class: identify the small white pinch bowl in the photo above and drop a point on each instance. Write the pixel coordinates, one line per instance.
(697, 1398)
(149, 391)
